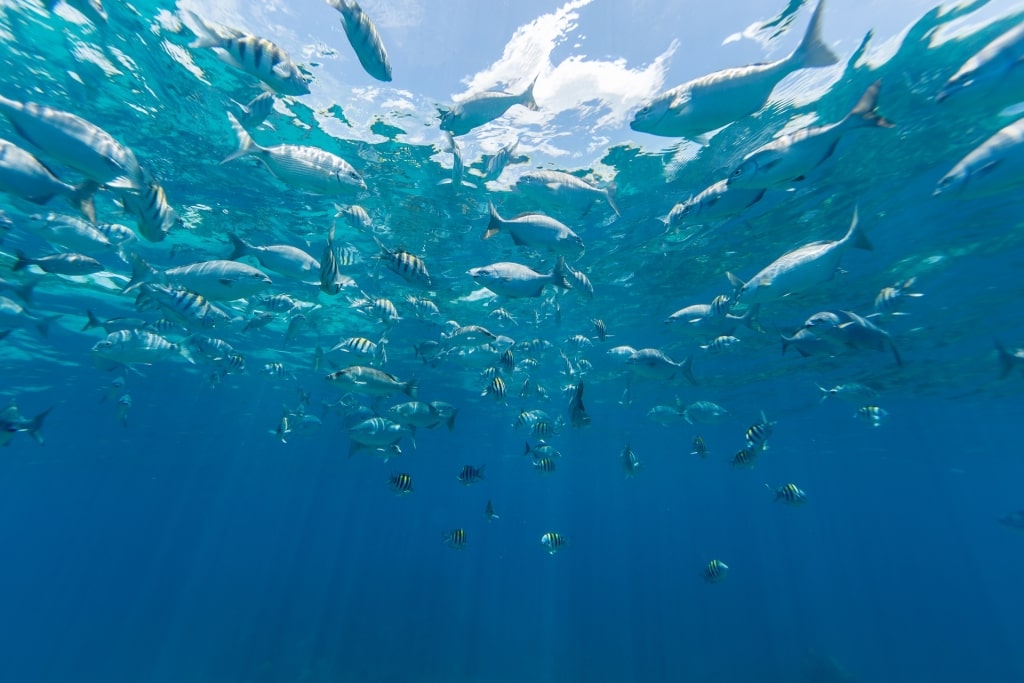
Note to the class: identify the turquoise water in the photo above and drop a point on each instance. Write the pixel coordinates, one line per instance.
(190, 533)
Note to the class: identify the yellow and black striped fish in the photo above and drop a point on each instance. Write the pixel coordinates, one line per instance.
(757, 434)
(553, 542)
(715, 571)
(745, 457)
(401, 483)
(508, 359)
(496, 389)
(456, 539)
(544, 465)
(470, 475)
(408, 266)
(791, 494)
(699, 447)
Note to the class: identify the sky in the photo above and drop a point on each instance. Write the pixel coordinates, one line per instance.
(596, 61)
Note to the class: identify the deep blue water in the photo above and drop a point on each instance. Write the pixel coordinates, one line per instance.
(190, 543)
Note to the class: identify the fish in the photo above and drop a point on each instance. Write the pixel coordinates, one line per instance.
(489, 512)
(74, 142)
(873, 415)
(155, 217)
(849, 391)
(470, 475)
(715, 571)
(401, 483)
(419, 414)
(699, 447)
(629, 461)
(332, 281)
(515, 280)
(889, 299)
(792, 156)
(704, 412)
(757, 434)
(12, 422)
(113, 324)
(799, 270)
(13, 315)
(71, 232)
(25, 176)
(455, 539)
(373, 382)
(458, 177)
(993, 167)
(361, 346)
(256, 56)
(579, 281)
(409, 267)
(717, 201)
(721, 343)
(987, 70)
(281, 258)
(496, 388)
(665, 415)
(307, 169)
(62, 264)
(355, 216)
(182, 306)
(124, 404)
(654, 364)
(216, 280)
(710, 102)
(577, 412)
(852, 331)
(567, 188)
(790, 494)
(1009, 360)
(552, 542)
(363, 37)
(544, 465)
(482, 108)
(377, 432)
(535, 230)
(134, 346)
(257, 110)
(599, 329)
(496, 164)
(745, 457)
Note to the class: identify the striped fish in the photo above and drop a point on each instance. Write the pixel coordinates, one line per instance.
(154, 216)
(790, 493)
(553, 542)
(363, 37)
(401, 483)
(470, 475)
(455, 539)
(715, 571)
(408, 266)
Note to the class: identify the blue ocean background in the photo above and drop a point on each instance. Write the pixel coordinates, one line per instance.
(192, 544)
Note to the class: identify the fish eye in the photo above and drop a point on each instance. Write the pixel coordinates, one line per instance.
(738, 172)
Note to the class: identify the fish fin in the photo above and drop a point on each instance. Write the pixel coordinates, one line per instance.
(246, 145)
(812, 51)
(21, 261)
(1006, 360)
(44, 325)
(226, 281)
(451, 420)
(35, 427)
(688, 370)
(855, 236)
(896, 354)
(206, 36)
(241, 247)
(82, 199)
(737, 284)
(866, 111)
(92, 321)
(609, 197)
(526, 99)
(412, 388)
(558, 274)
(518, 242)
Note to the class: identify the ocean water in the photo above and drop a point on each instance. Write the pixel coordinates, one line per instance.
(190, 534)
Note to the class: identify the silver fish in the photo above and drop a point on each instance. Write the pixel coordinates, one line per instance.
(281, 258)
(134, 346)
(800, 269)
(307, 169)
(566, 187)
(257, 110)
(987, 70)
(535, 230)
(714, 202)
(994, 166)
(792, 156)
(23, 175)
(217, 280)
(515, 280)
(707, 103)
(14, 315)
(63, 264)
(654, 364)
(12, 422)
(482, 108)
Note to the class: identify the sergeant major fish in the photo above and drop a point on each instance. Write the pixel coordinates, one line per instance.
(717, 99)
(307, 169)
(256, 56)
(363, 36)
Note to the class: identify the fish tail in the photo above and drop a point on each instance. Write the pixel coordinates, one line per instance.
(896, 353)
(737, 285)
(526, 99)
(494, 226)
(21, 261)
(82, 199)
(44, 325)
(558, 274)
(786, 341)
(92, 322)
(855, 237)
(35, 427)
(142, 272)
(1006, 360)
(609, 197)
(866, 111)
(246, 145)
(206, 35)
(25, 291)
(412, 388)
(451, 420)
(751, 321)
(812, 50)
(687, 368)
(241, 247)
